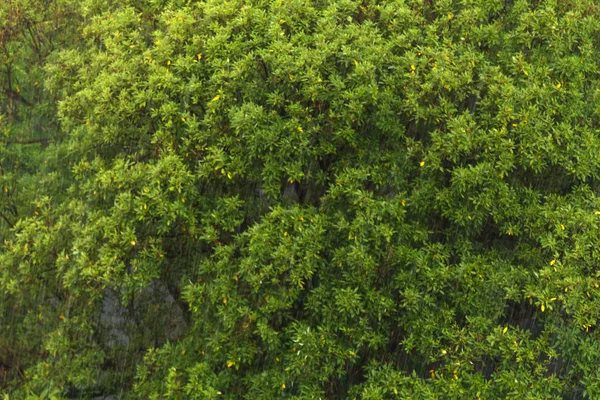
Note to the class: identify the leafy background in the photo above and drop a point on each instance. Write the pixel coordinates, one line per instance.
(310, 199)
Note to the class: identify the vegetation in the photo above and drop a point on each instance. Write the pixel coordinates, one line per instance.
(270, 199)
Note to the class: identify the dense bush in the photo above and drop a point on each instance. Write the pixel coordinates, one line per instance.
(316, 199)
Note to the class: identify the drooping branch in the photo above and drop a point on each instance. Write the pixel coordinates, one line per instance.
(5, 218)
(43, 141)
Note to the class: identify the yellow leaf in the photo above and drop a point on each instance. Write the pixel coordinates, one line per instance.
(356, 63)
(224, 300)
(283, 385)
(169, 62)
(504, 330)
(61, 316)
(229, 175)
(558, 86)
(543, 308)
(285, 233)
(422, 163)
(217, 97)
(199, 56)
(412, 67)
(552, 262)
(300, 129)
(562, 227)
(526, 73)
(230, 364)
(597, 213)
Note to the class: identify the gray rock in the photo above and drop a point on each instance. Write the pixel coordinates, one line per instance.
(152, 317)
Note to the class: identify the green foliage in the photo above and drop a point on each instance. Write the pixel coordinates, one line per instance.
(276, 199)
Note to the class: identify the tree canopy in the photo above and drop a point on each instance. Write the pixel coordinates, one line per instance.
(270, 199)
